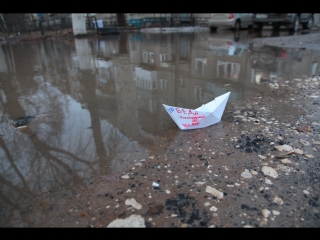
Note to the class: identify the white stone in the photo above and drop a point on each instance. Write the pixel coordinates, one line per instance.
(309, 156)
(262, 157)
(285, 161)
(267, 181)
(132, 221)
(275, 212)
(254, 172)
(305, 191)
(213, 208)
(316, 143)
(132, 202)
(284, 168)
(214, 192)
(265, 212)
(206, 204)
(304, 142)
(269, 171)
(200, 183)
(246, 174)
(167, 191)
(125, 176)
(298, 151)
(278, 200)
(284, 147)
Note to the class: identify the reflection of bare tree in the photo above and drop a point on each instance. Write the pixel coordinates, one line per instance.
(47, 166)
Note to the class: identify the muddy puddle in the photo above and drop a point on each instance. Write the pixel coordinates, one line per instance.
(89, 108)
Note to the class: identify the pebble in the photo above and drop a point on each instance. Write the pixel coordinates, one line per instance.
(246, 174)
(213, 208)
(125, 176)
(206, 204)
(214, 192)
(306, 192)
(131, 221)
(265, 212)
(303, 142)
(285, 161)
(284, 168)
(298, 151)
(248, 226)
(275, 212)
(316, 143)
(278, 200)
(269, 171)
(254, 172)
(262, 157)
(200, 183)
(268, 181)
(309, 156)
(132, 202)
(284, 147)
(167, 191)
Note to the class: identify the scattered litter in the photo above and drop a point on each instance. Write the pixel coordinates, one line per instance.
(155, 184)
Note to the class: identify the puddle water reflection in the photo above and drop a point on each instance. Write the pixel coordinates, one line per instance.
(98, 102)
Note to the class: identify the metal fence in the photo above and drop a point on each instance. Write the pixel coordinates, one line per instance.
(153, 22)
(46, 25)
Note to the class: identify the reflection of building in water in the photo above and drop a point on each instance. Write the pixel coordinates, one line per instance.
(201, 66)
(145, 79)
(228, 70)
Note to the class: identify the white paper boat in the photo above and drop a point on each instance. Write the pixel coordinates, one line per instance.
(204, 116)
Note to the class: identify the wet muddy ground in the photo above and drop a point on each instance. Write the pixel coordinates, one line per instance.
(88, 161)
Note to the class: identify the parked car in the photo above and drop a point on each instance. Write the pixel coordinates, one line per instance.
(231, 20)
(290, 20)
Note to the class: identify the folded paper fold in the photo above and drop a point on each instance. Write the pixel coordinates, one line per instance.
(204, 116)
